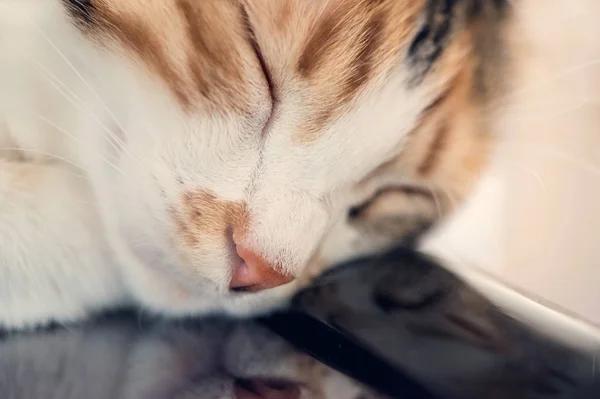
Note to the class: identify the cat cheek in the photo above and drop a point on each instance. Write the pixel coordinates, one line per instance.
(391, 216)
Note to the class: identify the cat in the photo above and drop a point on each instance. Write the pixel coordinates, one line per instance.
(120, 359)
(197, 157)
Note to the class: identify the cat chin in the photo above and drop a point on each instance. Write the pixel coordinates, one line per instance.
(209, 302)
(160, 293)
(256, 304)
(162, 286)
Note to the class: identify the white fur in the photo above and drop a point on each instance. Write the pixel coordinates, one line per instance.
(90, 229)
(83, 217)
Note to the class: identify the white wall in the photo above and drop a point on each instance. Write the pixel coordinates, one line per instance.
(536, 218)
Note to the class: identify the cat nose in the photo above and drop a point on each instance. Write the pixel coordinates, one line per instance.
(255, 274)
(264, 389)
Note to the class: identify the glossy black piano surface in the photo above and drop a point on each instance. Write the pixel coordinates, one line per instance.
(393, 325)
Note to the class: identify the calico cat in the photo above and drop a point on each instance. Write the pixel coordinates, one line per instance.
(190, 157)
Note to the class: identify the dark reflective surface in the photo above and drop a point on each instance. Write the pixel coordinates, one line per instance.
(122, 358)
(397, 322)
(444, 335)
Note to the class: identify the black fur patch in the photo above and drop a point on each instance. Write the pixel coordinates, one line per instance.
(433, 36)
(81, 10)
(441, 19)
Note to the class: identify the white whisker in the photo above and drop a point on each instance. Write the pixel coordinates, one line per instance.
(65, 89)
(53, 156)
(77, 103)
(86, 83)
(541, 115)
(63, 131)
(507, 99)
(563, 156)
(532, 171)
(3, 198)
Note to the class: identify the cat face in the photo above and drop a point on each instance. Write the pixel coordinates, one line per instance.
(252, 128)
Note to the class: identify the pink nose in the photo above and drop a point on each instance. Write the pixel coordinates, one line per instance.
(255, 274)
(263, 389)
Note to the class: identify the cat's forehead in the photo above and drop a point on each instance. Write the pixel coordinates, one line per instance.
(331, 51)
(225, 52)
(199, 49)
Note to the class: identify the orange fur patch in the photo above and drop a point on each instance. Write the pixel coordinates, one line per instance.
(200, 50)
(204, 219)
(204, 51)
(352, 45)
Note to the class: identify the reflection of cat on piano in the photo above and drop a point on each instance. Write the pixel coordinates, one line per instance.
(216, 361)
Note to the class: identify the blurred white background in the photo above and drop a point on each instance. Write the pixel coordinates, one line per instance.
(535, 218)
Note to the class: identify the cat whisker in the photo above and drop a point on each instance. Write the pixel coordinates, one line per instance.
(47, 154)
(563, 156)
(542, 115)
(63, 131)
(507, 99)
(530, 170)
(55, 79)
(88, 86)
(569, 72)
(74, 100)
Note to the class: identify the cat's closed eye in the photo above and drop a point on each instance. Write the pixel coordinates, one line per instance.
(392, 214)
(398, 212)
